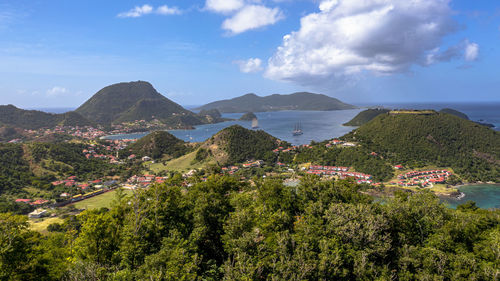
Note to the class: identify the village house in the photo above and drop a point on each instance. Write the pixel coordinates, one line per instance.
(38, 213)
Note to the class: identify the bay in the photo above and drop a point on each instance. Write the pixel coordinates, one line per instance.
(316, 125)
(486, 196)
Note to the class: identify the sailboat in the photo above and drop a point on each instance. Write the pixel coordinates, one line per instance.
(255, 123)
(297, 131)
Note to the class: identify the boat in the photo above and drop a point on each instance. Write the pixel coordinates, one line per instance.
(297, 130)
(255, 123)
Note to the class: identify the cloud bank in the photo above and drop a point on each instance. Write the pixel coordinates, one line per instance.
(382, 37)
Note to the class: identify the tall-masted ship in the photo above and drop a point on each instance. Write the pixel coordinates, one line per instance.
(297, 130)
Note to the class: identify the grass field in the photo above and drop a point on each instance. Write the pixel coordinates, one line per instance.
(181, 164)
(40, 225)
(99, 201)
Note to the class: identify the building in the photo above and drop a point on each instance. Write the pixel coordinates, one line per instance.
(38, 213)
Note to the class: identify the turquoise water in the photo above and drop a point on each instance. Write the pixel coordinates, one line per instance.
(486, 196)
(317, 126)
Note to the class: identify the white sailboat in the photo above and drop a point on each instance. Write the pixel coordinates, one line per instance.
(297, 131)
(255, 123)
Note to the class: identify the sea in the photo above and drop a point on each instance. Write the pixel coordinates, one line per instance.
(323, 125)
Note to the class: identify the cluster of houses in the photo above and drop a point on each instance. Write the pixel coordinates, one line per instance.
(341, 172)
(253, 164)
(336, 142)
(72, 182)
(108, 151)
(86, 132)
(38, 202)
(143, 181)
(423, 178)
(230, 169)
(127, 127)
(291, 148)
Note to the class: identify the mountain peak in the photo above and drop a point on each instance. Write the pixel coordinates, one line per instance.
(129, 101)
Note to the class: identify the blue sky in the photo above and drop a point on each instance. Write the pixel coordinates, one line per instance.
(58, 53)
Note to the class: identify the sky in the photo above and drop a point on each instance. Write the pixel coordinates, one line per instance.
(58, 53)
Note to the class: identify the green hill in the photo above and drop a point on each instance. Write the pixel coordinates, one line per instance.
(236, 144)
(249, 116)
(455, 112)
(33, 119)
(296, 101)
(440, 139)
(124, 102)
(366, 116)
(157, 145)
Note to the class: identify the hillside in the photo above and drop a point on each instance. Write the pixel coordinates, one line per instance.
(296, 101)
(236, 144)
(124, 102)
(440, 139)
(36, 164)
(33, 119)
(366, 116)
(157, 145)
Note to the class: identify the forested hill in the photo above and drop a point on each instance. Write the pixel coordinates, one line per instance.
(366, 116)
(296, 101)
(132, 101)
(441, 139)
(33, 119)
(157, 145)
(236, 144)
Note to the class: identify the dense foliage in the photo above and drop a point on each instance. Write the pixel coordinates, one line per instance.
(226, 230)
(366, 116)
(296, 101)
(14, 169)
(444, 140)
(157, 145)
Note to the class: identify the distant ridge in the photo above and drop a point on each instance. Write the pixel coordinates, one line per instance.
(296, 101)
(34, 119)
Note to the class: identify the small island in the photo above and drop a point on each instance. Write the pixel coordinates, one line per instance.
(249, 116)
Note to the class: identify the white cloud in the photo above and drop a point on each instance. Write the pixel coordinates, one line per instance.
(139, 11)
(349, 37)
(471, 51)
(244, 14)
(224, 6)
(251, 65)
(56, 91)
(165, 10)
(252, 17)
